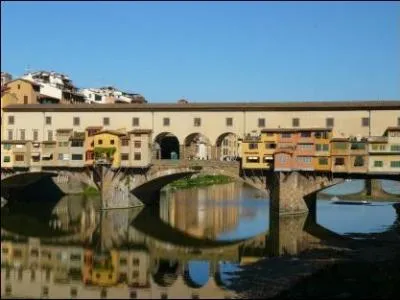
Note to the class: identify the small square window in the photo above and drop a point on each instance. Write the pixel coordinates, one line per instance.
(229, 122)
(398, 121)
(133, 295)
(138, 144)
(135, 122)
(261, 122)
(166, 122)
(197, 122)
(10, 134)
(35, 134)
(330, 122)
(112, 142)
(74, 292)
(124, 156)
(295, 122)
(137, 156)
(22, 134)
(365, 122)
(77, 121)
(106, 121)
(11, 120)
(48, 120)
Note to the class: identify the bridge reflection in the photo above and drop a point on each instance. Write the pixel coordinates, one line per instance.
(129, 253)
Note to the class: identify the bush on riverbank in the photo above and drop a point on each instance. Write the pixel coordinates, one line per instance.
(200, 181)
(90, 191)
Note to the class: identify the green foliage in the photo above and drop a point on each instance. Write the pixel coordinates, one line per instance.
(90, 190)
(200, 181)
(104, 152)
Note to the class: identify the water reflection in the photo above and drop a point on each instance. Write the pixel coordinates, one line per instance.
(189, 246)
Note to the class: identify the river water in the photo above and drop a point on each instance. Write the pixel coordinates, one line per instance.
(205, 235)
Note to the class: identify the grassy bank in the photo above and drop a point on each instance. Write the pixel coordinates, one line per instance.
(90, 191)
(199, 181)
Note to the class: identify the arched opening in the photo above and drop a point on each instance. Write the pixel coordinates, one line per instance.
(166, 146)
(227, 147)
(197, 147)
(167, 273)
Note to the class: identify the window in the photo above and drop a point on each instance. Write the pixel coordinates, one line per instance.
(19, 86)
(357, 146)
(135, 261)
(395, 148)
(25, 99)
(97, 97)
(164, 296)
(124, 156)
(359, 161)
(138, 144)
(7, 159)
(197, 122)
(270, 146)
(305, 134)
(378, 163)
(133, 295)
(261, 122)
(100, 142)
(339, 161)
(20, 274)
(305, 146)
(365, 122)
(195, 296)
(283, 158)
(323, 161)
(225, 151)
(135, 121)
(106, 121)
(22, 134)
(304, 159)
(35, 134)
(137, 156)
(11, 120)
(286, 135)
(330, 122)
(19, 157)
(295, 122)
(166, 121)
(253, 146)
(322, 147)
(77, 157)
(60, 156)
(77, 121)
(33, 275)
(8, 290)
(76, 143)
(10, 134)
(103, 293)
(125, 142)
(377, 147)
(398, 121)
(112, 142)
(74, 292)
(48, 120)
(45, 291)
(123, 261)
(340, 146)
(229, 121)
(135, 274)
(395, 164)
(50, 135)
(7, 146)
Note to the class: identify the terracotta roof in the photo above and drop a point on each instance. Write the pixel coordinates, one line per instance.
(255, 106)
(394, 128)
(295, 129)
(141, 131)
(64, 130)
(110, 132)
(94, 127)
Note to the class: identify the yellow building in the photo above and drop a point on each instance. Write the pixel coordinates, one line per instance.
(89, 143)
(269, 139)
(340, 155)
(107, 147)
(322, 157)
(252, 153)
(384, 152)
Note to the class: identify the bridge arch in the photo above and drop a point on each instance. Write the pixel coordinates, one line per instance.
(197, 146)
(166, 146)
(226, 146)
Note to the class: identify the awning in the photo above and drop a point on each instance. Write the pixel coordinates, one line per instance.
(35, 154)
(253, 157)
(47, 155)
(268, 158)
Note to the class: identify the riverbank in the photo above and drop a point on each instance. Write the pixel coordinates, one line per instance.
(367, 268)
(200, 181)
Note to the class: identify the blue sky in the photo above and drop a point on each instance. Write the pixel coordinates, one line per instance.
(212, 51)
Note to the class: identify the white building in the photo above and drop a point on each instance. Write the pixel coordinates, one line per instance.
(110, 94)
(5, 77)
(55, 87)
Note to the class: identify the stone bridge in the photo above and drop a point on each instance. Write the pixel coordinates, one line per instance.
(290, 192)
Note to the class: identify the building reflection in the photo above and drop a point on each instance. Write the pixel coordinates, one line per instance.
(106, 257)
(203, 212)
